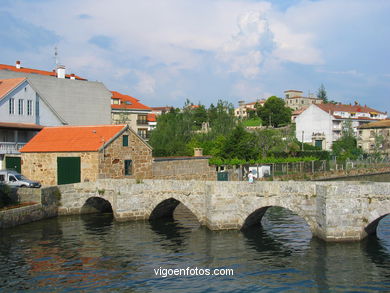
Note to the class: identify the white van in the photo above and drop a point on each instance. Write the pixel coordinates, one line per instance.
(14, 179)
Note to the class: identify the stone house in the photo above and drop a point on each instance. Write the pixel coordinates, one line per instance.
(374, 137)
(295, 100)
(70, 154)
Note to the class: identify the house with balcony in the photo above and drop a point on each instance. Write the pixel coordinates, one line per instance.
(322, 124)
(128, 110)
(23, 112)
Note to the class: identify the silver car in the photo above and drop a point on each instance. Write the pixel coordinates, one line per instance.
(14, 179)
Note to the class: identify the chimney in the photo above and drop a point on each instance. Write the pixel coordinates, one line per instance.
(17, 64)
(72, 76)
(198, 152)
(61, 71)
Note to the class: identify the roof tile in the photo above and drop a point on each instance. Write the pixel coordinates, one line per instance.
(71, 138)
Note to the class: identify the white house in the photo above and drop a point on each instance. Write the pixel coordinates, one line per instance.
(23, 112)
(322, 124)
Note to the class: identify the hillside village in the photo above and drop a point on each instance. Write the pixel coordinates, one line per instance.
(61, 116)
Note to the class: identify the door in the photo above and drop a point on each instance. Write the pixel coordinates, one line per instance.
(13, 163)
(318, 143)
(68, 170)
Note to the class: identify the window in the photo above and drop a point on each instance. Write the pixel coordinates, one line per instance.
(12, 106)
(142, 120)
(20, 104)
(143, 133)
(125, 141)
(29, 107)
(128, 167)
(115, 101)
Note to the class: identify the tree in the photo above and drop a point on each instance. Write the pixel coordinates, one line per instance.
(274, 112)
(321, 94)
(221, 118)
(173, 132)
(240, 144)
(346, 146)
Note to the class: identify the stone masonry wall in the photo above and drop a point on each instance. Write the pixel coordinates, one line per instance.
(43, 166)
(191, 168)
(113, 166)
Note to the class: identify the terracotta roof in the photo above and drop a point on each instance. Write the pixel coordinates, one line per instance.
(347, 108)
(72, 138)
(377, 124)
(36, 71)
(299, 111)
(127, 102)
(295, 91)
(20, 125)
(151, 117)
(167, 108)
(7, 85)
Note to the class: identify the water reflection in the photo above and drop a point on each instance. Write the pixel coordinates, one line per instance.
(95, 253)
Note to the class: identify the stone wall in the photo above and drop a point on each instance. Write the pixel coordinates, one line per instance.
(44, 204)
(42, 167)
(184, 168)
(112, 164)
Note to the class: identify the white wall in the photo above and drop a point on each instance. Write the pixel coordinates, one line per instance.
(314, 120)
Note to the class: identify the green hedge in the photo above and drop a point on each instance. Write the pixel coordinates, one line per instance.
(269, 160)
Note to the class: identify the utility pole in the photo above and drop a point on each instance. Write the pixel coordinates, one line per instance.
(302, 139)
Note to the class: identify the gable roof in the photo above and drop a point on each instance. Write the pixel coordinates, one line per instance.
(331, 108)
(7, 85)
(36, 71)
(127, 102)
(73, 138)
(75, 102)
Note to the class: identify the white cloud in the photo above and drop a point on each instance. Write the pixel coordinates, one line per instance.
(146, 83)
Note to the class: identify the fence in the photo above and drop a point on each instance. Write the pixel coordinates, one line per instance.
(239, 173)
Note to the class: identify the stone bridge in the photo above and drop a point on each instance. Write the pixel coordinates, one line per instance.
(335, 211)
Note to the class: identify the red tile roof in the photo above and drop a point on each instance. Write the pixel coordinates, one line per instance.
(151, 117)
(36, 71)
(377, 124)
(346, 108)
(72, 138)
(7, 85)
(127, 102)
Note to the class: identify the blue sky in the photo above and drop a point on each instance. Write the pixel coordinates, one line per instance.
(163, 52)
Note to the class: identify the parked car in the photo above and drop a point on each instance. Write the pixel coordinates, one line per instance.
(14, 179)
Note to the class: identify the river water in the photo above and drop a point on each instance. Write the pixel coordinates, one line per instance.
(95, 253)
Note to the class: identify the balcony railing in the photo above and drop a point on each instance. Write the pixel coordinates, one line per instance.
(144, 136)
(10, 147)
(142, 122)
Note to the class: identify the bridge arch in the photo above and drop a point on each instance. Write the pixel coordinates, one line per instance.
(254, 216)
(371, 228)
(165, 208)
(96, 204)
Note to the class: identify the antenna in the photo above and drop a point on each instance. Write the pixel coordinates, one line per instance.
(56, 56)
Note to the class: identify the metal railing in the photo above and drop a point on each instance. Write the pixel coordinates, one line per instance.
(11, 147)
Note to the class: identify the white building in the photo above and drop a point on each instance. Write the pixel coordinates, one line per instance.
(244, 108)
(23, 112)
(322, 124)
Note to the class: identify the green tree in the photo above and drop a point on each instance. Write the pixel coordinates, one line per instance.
(274, 112)
(221, 118)
(240, 144)
(346, 146)
(321, 94)
(173, 132)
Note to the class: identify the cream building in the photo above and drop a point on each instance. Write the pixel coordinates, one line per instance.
(374, 137)
(295, 100)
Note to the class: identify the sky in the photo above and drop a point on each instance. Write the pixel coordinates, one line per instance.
(163, 52)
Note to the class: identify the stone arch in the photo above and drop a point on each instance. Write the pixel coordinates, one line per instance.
(165, 208)
(255, 215)
(96, 204)
(371, 228)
